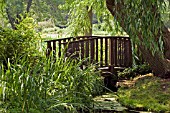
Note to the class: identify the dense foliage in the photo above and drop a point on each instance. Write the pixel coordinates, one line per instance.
(47, 86)
(79, 15)
(130, 73)
(18, 42)
(142, 21)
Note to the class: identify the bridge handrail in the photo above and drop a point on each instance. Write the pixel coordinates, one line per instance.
(114, 51)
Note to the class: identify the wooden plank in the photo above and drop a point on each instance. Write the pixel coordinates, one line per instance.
(130, 53)
(64, 46)
(87, 48)
(82, 49)
(92, 50)
(111, 51)
(106, 51)
(101, 51)
(123, 49)
(124, 52)
(59, 48)
(97, 49)
(54, 49)
(49, 49)
(115, 52)
(119, 52)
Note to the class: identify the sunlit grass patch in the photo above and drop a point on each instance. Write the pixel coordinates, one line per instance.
(148, 93)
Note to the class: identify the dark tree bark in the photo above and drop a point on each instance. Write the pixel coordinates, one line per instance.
(11, 19)
(159, 65)
(29, 5)
(90, 16)
(16, 20)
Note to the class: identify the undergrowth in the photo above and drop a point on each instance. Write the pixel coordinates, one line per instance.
(132, 72)
(149, 93)
(47, 86)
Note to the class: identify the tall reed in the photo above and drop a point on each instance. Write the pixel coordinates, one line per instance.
(47, 85)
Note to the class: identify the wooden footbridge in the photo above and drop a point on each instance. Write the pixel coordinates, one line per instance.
(110, 53)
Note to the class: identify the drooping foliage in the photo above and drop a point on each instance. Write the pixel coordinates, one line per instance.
(79, 20)
(144, 17)
(142, 20)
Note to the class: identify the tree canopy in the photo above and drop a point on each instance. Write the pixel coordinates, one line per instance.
(142, 20)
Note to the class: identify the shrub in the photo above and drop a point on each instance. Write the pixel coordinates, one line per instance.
(134, 71)
(18, 42)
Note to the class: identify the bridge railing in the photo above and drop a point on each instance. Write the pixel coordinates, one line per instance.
(109, 51)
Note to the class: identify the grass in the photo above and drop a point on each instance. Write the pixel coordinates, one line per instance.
(45, 86)
(148, 93)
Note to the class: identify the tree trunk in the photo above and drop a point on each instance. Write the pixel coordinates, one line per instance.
(29, 5)
(11, 19)
(16, 20)
(90, 16)
(159, 65)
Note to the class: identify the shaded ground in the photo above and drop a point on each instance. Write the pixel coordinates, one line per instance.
(146, 92)
(142, 94)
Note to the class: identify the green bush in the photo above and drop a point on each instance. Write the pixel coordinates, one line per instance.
(48, 86)
(18, 42)
(134, 71)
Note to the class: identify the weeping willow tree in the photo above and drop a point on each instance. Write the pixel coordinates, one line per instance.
(140, 19)
(81, 14)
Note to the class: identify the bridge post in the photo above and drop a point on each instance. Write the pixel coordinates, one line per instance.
(49, 49)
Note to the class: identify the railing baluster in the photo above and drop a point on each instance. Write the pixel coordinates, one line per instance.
(92, 49)
(129, 53)
(115, 52)
(59, 48)
(119, 52)
(123, 49)
(126, 52)
(54, 49)
(97, 49)
(101, 51)
(106, 51)
(87, 49)
(82, 50)
(49, 48)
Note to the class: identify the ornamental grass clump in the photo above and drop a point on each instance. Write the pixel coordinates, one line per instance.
(47, 86)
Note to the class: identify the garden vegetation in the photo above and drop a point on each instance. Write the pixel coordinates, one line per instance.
(30, 82)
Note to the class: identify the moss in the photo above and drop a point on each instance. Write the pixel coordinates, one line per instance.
(148, 93)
